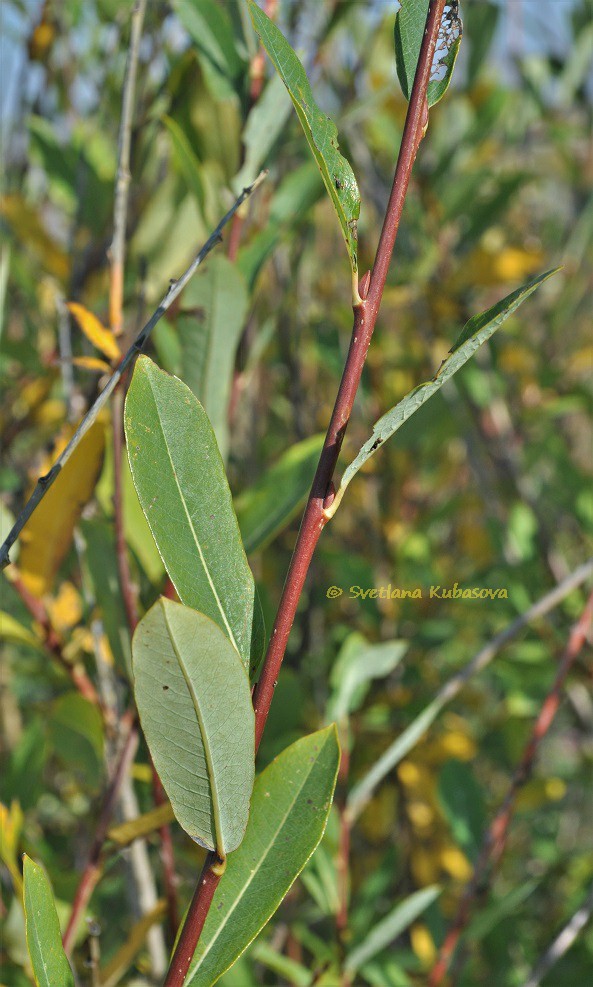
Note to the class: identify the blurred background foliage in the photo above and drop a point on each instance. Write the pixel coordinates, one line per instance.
(489, 486)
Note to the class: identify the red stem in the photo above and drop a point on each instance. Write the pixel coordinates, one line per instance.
(313, 522)
(496, 838)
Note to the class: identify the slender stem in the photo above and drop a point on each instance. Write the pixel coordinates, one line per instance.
(92, 869)
(562, 942)
(364, 789)
(175, 289)
(314, 520)
(120, 211)
(365, 316)
(496, 838)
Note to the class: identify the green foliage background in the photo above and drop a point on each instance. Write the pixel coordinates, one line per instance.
(489, 486)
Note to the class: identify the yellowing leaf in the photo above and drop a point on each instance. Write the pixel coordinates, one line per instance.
(48, 534)
(65, 610)
(456, 863)
(95, 331)
(28, 229)
(92, 363)
(423, 944)
(144, 825)
(11, 824)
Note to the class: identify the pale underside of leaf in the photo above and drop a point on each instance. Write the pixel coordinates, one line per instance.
(476, 332)
(410, 22)
(320, 131)
(195, 706)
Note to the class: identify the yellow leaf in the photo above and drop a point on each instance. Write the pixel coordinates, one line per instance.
(47, 536)
(29, 230)
(95, 331)
(456, 863)
(423, 944)
(141, 772)
(11, 824)
(92, 363)
(143, 825)
(65, 610)
(11, 630)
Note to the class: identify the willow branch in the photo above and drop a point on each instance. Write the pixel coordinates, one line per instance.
(496, 838)
(314, 519)
(175, 289)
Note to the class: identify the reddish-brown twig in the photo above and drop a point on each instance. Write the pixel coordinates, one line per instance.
(314, 520)
(496, 837)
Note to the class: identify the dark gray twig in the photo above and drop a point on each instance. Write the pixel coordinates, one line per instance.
(175, 289)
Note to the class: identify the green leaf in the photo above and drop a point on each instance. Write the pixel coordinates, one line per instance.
(210, 29)
(320, 131)
(389, 928)
(181, 484)
(194, 702)
(264, 125)
(410, 22)
(462, 801)
(476, 332)
(357, 664)
(186, 161)
(289, 809)
(44, 941)
(101, 566)
(76, 733)
(209, 338)
(270, 504)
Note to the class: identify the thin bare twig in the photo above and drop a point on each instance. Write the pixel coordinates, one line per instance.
(562, 942)
(314, 520)
(175, 289)
(363, 790)
(496, 837)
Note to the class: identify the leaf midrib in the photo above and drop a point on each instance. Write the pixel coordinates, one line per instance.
(205, 741)
(189, 521)
(239, 898)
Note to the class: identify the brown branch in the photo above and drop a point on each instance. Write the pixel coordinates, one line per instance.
(496, 838)
(321, 495)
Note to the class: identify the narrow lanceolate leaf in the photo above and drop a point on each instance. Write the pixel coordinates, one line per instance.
(270, 504)
(44, 941)
(386, 931)
(289, 809)
(186, 160)
(357, 664)
(209, 328)
(476, 332)
(194, 701)
(181, 484)
(410, 22)
(320, 131)
(95, 331)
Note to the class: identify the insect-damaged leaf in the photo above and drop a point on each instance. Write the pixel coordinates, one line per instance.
(476, 332)
(195, 706)
(44, 942)
(289, 809)
(410, 22)
(183, 490)
(320, 130)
